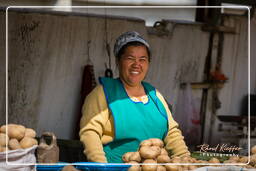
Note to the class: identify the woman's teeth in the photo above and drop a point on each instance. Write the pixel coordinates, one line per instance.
(134, 72)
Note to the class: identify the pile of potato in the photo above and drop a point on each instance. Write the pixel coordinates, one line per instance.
(152, 151)
(18, 137)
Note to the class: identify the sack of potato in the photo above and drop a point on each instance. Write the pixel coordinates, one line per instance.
(17, 137)
(20, 144)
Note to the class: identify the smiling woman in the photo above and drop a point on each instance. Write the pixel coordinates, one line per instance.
(133, 66)
(120, 113)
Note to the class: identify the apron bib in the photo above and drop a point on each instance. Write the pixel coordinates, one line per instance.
(133, 121)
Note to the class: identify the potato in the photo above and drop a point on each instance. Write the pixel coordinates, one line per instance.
(184, 167)
(134, 167)
(253, 160)
(214, 160)
(231, 161)
(126, 156)
(3, 138)
(69, 168)
(243, 159)
(172, 168)
(135, 156)
(176, 159)
(192, 167)
(163, 159)
(3, 148)
(253, 149)
(27, 142)
(186, 159)
(149, 152)
(30, 133)
(3, 129)
(14, 144)
(157, 142)
(160, 168)
(146, 143)
(14, 131)
(151, 167)
(163, 151)
(234, 158)
(156, 149)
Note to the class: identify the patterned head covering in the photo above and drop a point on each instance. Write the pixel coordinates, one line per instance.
(130, 36)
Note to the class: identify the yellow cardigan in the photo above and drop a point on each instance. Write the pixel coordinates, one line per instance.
(97, 128)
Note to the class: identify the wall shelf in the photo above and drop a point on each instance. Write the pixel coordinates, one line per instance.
(203, 85)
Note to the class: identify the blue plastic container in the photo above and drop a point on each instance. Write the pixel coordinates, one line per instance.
(91, 166)
(55, 167)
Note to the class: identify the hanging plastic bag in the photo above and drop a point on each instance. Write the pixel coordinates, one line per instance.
(188, 115)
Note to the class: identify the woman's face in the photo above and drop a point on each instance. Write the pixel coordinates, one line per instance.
(133, 65)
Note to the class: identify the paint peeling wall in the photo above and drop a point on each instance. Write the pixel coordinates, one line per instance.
(47, 54)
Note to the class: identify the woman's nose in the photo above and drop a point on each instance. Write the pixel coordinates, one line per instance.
(136, 62)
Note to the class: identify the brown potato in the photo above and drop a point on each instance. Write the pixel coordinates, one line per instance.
(187, 159)
(163, 159)
(157, 142)
(243, 159)
(253, 160)
(230, 161)
(192, 167)
(27, 142)
(135, 156)
(253, 149)
(151, 167)
(149, 152)
(14, 131)
(234, 158)
(172, 168)
(3, 129)
(163, 151)
(157, 149)
(146, 143)
(160, 168)
(69, 168)
(3, 138)
(184, 167)
(134, 167)
(14, 144)
(214, 160)
(176, 159)
(126, 156)
(3, 148)
(30, 133)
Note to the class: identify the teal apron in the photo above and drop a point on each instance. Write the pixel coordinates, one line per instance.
(133, 121)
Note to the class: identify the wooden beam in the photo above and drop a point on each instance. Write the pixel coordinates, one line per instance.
(223, 29)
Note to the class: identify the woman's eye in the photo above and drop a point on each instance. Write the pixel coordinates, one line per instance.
(143, 59)
(130, 58)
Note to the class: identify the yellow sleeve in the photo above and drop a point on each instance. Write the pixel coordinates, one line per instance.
(92, 125)
(174, 141)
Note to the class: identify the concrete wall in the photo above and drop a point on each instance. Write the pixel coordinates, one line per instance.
(47, 52)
